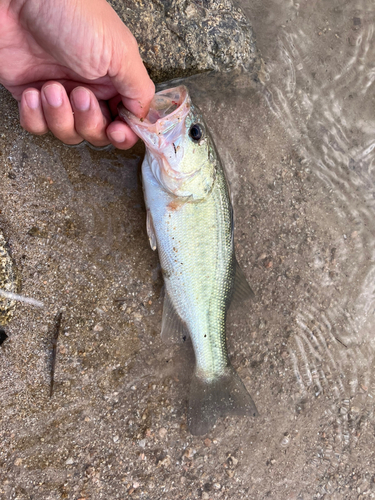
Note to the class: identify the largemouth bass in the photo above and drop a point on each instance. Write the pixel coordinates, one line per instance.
(190, 222)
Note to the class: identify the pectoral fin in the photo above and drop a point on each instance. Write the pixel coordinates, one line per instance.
(173, 329)
(242, 290)
(151, 230)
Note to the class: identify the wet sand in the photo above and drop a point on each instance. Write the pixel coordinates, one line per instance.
(298, 150)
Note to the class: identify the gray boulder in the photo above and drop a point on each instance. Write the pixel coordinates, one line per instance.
(179, 38)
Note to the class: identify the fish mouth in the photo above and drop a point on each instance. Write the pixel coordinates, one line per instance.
(163, 131)
(165, 121)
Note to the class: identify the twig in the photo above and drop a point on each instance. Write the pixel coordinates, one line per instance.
(55, 336)
(341, 342)
(20, 298)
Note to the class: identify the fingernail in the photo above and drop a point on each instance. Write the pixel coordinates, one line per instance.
(81, 99)
(117, 136)
(32, 99)
(53, 94)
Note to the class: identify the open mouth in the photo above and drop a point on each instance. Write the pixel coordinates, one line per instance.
(168, 108)
(166, 103)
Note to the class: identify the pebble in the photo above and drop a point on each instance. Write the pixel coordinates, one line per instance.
(189, 453)
(162, 432)
(207, 442)
(285, 440)
(98, 328)
(69, 461)
(165, 461)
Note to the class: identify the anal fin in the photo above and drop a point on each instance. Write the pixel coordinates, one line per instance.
(173, 329)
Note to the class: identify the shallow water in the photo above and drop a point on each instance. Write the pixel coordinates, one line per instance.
(299, 151)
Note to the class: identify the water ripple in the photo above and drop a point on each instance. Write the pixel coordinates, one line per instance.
(326, 110)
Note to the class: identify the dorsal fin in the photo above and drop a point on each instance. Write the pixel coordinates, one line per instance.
(241, 290)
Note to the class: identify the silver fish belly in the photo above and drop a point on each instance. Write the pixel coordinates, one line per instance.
(190, 222)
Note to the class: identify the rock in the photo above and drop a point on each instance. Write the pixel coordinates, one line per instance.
(162, 432)
(232, 461)
(8, 282)
(179, 38)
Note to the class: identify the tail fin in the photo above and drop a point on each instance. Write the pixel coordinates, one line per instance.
(222, 396)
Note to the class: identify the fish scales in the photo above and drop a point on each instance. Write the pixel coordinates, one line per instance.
(195, 250)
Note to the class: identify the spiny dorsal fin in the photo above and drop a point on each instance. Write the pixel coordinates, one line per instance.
(173, 329)
(241, 290)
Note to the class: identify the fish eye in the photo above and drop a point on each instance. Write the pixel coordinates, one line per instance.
(196, 132)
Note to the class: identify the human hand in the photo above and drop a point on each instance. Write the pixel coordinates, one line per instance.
(69, 63)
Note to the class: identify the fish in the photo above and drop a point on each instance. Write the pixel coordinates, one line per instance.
(190, 223)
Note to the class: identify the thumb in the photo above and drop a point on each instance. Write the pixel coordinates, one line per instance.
(130, 78)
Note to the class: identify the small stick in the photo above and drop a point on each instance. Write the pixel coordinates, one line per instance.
(55, 336)
(20, 298)
(341, 342)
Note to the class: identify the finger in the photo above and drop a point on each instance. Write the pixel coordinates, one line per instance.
(58, 113)
(129, 76)
(31, 112)
(90, 119)
(121, 135)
